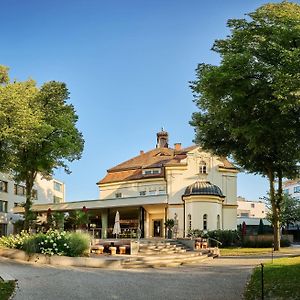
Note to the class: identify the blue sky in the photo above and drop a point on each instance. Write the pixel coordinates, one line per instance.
(127, 65)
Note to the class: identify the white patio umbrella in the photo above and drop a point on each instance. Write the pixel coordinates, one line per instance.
(117, 227)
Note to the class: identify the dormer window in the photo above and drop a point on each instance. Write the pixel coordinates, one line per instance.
(152, 191)
(151, 171)
(162, 190)
(202, 167)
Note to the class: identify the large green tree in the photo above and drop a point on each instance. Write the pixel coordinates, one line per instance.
(289, 213)
(59, 141)
(250, 103)
(38, 131)
(20, 121)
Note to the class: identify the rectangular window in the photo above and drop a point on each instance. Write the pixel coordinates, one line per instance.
(3, 206)
(162, 190)
(3, 229)
(142, 193)
(189, 222)
(297, 189)
(286, 191)
(151, 171)
(152, 192)
(252, 205)
(57, 186)
(3, 186)
(118, 195)
(245, 215)
(57, 199)
(34, 194)
(19, 190)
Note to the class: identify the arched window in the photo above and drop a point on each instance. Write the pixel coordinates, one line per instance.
(218, 222)
(205, 222)
(202, 167)
(189, 222)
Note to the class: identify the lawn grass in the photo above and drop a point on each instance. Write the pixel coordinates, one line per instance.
(255, 251)
(6, 289)
(281, 280)
(244, 251)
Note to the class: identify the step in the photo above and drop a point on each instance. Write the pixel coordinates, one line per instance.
(153, 262)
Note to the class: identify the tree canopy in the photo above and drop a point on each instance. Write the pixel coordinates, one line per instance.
(39, 131)
(20, 120)
(290, 211)
(249, 105)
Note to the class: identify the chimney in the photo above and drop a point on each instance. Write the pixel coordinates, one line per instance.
(141, 152)
(162, 139)
(177, 146)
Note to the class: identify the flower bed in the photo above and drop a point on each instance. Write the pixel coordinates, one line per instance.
(53, 242)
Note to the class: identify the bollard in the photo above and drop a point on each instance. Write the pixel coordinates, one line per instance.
(262, 281)
(272, 252)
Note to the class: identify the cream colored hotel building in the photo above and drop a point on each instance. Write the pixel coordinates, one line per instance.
(189, 185)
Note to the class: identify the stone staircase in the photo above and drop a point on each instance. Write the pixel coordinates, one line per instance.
(175, 260)
(152, 247)
(169, 253)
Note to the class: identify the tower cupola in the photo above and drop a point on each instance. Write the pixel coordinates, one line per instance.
(162, 139)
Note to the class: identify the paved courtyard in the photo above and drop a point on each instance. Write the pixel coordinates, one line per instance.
(222, 278)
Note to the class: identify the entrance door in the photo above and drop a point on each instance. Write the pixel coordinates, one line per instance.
(157, 228)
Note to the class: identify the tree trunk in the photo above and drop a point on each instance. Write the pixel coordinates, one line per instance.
(278, 204)
(276, 223)
(29, 182)
(276, 230)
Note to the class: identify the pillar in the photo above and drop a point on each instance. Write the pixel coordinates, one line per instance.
(104, 223)
(142, 222)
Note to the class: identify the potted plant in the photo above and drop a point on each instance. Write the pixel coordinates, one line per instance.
(169, 225)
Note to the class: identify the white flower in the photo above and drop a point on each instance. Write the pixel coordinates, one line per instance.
(54, 244)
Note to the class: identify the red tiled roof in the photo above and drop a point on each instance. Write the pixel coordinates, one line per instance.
(128, 175)
(291, 182)
(226, 163)
(152, 158)
(132, 169)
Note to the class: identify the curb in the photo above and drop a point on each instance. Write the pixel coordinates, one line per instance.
(88, 262)
(7, 277)
(108, 263)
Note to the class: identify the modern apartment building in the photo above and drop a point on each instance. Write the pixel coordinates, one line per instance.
(12, 194)
(292, 188)
(251, 212)
(251, 209)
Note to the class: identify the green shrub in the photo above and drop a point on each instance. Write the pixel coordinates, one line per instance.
(285, 243)
(14, 241)
(31, 245)
(257, 243)
(228, 238)
(50, 243)
(264, 243)
(79, 244)
(194, 233)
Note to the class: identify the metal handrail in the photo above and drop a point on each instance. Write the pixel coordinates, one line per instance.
(218, 242)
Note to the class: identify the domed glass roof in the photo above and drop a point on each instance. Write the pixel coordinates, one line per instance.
(203, 188)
